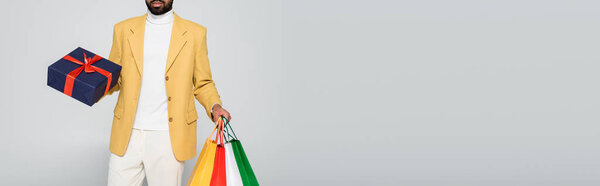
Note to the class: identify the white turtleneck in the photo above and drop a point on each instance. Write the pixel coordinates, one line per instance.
(152, 111)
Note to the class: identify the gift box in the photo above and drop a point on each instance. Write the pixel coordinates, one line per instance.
(83, 75)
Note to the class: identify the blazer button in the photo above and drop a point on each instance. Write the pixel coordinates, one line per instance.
(169, 98)
(170, 119)
(167, 78)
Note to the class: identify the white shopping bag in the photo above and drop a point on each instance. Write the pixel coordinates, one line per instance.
(232, 171)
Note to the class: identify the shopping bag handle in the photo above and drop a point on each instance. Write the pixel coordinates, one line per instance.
(230, 128)
(215, 128)
(219, 136)
(228, 137)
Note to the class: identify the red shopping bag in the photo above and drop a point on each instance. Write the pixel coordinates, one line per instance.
(218, 177)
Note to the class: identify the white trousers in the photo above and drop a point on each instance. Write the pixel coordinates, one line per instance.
(149, 154)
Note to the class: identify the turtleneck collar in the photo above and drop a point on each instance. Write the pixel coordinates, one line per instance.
(165, 18)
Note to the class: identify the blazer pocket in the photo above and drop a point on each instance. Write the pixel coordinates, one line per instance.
(191, 117)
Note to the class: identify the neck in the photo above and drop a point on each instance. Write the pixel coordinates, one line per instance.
(165, 18)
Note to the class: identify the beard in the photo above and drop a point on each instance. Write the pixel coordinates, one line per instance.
(159, 10)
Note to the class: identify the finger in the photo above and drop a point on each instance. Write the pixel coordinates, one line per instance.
(225, 115)
(214, 117)
(217, 117)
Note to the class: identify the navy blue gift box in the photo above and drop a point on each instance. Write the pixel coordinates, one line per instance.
(88, 75)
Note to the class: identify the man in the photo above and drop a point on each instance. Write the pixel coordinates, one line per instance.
(164, 67)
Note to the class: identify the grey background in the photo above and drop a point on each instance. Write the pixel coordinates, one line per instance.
(336, 92)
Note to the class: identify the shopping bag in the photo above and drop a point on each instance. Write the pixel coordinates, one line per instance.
(219, 173)
(202, 173)
(243, 165)
(233, 173)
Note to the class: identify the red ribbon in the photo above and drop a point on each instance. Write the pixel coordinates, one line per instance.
(89, 68)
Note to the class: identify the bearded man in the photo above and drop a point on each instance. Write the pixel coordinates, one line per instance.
(165, 66)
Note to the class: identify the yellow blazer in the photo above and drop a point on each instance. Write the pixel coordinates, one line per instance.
(187, 77)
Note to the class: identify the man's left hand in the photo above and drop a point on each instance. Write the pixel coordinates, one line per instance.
(218, 111)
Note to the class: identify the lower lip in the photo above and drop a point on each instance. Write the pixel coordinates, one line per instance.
(156, 4)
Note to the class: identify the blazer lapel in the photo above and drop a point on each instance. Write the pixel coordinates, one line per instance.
(178, 40)
(136, 42)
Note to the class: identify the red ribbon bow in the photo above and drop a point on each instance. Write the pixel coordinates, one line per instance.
(89, 68)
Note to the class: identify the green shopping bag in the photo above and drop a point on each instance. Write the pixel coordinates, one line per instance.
(246, 172)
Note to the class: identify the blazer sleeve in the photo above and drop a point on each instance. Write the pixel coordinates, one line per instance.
(115, 56)
(204, 86)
